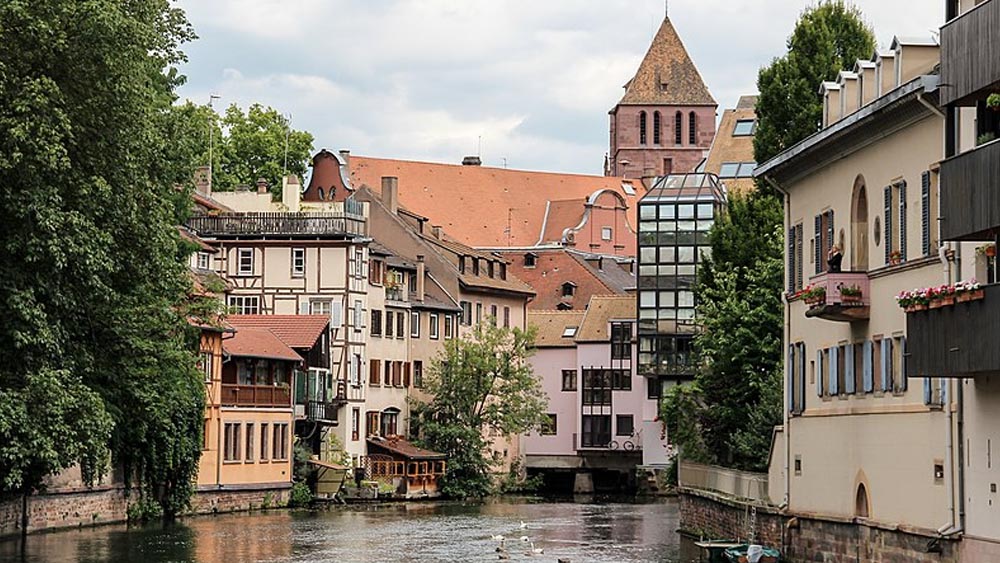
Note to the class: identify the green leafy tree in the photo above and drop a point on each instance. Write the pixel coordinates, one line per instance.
(727, 415)
(96, 356)
(829, 37)
(480, 384)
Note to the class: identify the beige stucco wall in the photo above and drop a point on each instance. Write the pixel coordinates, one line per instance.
(888, 441)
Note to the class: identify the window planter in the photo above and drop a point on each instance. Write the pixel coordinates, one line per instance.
(967, 296)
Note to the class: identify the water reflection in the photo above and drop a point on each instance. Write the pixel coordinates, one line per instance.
(586, 531)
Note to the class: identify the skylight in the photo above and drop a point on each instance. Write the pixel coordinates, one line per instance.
(569, 332)
(744, 127)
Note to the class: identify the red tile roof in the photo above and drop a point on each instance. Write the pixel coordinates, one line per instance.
(297, 331)
(667, 75)
(554, 267)
(480, 205)
(258, 343)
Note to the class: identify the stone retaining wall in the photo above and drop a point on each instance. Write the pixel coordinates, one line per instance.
(806, 538)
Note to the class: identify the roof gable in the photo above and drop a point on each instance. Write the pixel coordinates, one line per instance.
(667, 75)
(296, 331)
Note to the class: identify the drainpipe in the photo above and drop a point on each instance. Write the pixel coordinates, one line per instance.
(788, 338)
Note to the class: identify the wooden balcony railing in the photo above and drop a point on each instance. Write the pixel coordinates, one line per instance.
(969, 62)
(277, 223)
(970, 193)
(256, 396)
(957, 340)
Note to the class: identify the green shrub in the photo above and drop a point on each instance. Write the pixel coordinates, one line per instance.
(301, 496)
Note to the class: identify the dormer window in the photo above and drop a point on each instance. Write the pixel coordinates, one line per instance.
(491, 269)
(744, 127)
(568, 289)
(564, 306)
(530, 259)
(503, 270)
(475, 266)
(461, 264)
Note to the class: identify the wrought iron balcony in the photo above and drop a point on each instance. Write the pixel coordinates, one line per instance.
(969, 62)
(956, 340)
(839, 296)
(278, 224)
(970, 193)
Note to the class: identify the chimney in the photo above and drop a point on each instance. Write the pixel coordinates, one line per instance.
(472, 161)
(648, 176)
(436, 231)
(390, 193)
(291, 192)
(203, 180)
(421, 273)
(345, 155)
(261, 186)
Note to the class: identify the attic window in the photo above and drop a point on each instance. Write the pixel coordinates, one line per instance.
(606, 233)
(564, 306)
(627, 188)
(744, 127)
(569, 332)
(530, 259)
(568, 289)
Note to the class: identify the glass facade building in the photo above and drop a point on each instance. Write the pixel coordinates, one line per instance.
(675, 216)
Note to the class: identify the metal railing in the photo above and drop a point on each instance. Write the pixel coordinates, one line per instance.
(722, 480)
(277, 223)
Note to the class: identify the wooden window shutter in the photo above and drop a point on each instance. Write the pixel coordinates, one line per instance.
(834, 369)
(798, 259)
(406, 374)
(849, 369)
(818, 244)
(819, 373)
(925, 212)
(887, 219)
(887, 364)
(866, 367)
(790, 372)
(902, 220)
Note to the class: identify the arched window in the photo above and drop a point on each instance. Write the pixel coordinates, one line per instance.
(692, 129)
(642, 128)
(859, 226)
(656, 127)
(333, 193)
(319, 192)
(678, 124)
(861, 501)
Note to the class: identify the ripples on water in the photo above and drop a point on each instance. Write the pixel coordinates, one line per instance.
(420, 532)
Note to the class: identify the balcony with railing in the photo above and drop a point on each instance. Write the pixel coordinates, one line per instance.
(970, 193)
(266, 396)
(278, 224)
(956, 336)
(969, 62)
(318, 397)
(838, 296)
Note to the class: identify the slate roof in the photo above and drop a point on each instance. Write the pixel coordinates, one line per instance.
(550, 326)
(249, 342)
(482, 205)
(602, 310)
(667, 76)
(296, 331)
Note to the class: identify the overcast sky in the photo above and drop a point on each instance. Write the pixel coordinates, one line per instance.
(425, 79)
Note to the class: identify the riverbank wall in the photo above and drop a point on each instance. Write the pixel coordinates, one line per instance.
(807, 538)
(68, 504)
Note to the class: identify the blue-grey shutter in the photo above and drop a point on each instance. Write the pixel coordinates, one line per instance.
(887, 364)
(902, 219)
(802, 376)
(819, 372)
(902, 366)
(925, 212)
(849, 369)
(790, 372)
(791, 260)
(927, 391)
(887, 216)
(834, 369)
(866, 366)
(944, 390)
(818, 244)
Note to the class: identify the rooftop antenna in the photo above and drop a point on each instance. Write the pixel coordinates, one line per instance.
(505, 162)
(479, 147)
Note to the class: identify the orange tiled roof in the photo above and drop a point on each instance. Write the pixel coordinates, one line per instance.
(554, 267)
(667, 76)
(550, 326)
(477, 204)
(297, 331)
(561, 215)
(251, 342)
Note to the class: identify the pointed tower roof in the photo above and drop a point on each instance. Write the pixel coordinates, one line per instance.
(667, 76)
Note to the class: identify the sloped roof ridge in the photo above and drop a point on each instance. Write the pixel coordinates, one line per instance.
(491, 168)
(683, 83)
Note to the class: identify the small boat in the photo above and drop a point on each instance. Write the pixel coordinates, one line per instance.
(714, 551)
(745, 553)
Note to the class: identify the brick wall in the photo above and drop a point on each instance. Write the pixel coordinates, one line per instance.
(104, 505)
(803, 538)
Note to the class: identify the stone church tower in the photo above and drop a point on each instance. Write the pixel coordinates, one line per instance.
(666, 119)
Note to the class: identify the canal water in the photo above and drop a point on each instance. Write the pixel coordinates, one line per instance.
(578, 531)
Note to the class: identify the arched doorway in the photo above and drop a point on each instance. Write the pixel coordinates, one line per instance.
(861, 501)
(859, 226)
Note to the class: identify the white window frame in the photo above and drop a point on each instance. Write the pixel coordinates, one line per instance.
(607, 233)
(204, 261)
(298, 262)
(414, 324)
(320, 306)
(244, 304)
(244, 257)
(433, 329)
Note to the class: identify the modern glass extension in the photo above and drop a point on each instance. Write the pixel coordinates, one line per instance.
(674, 219)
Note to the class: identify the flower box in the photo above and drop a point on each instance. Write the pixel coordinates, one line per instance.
(915, 308)
(967, 296)
(939, 302)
